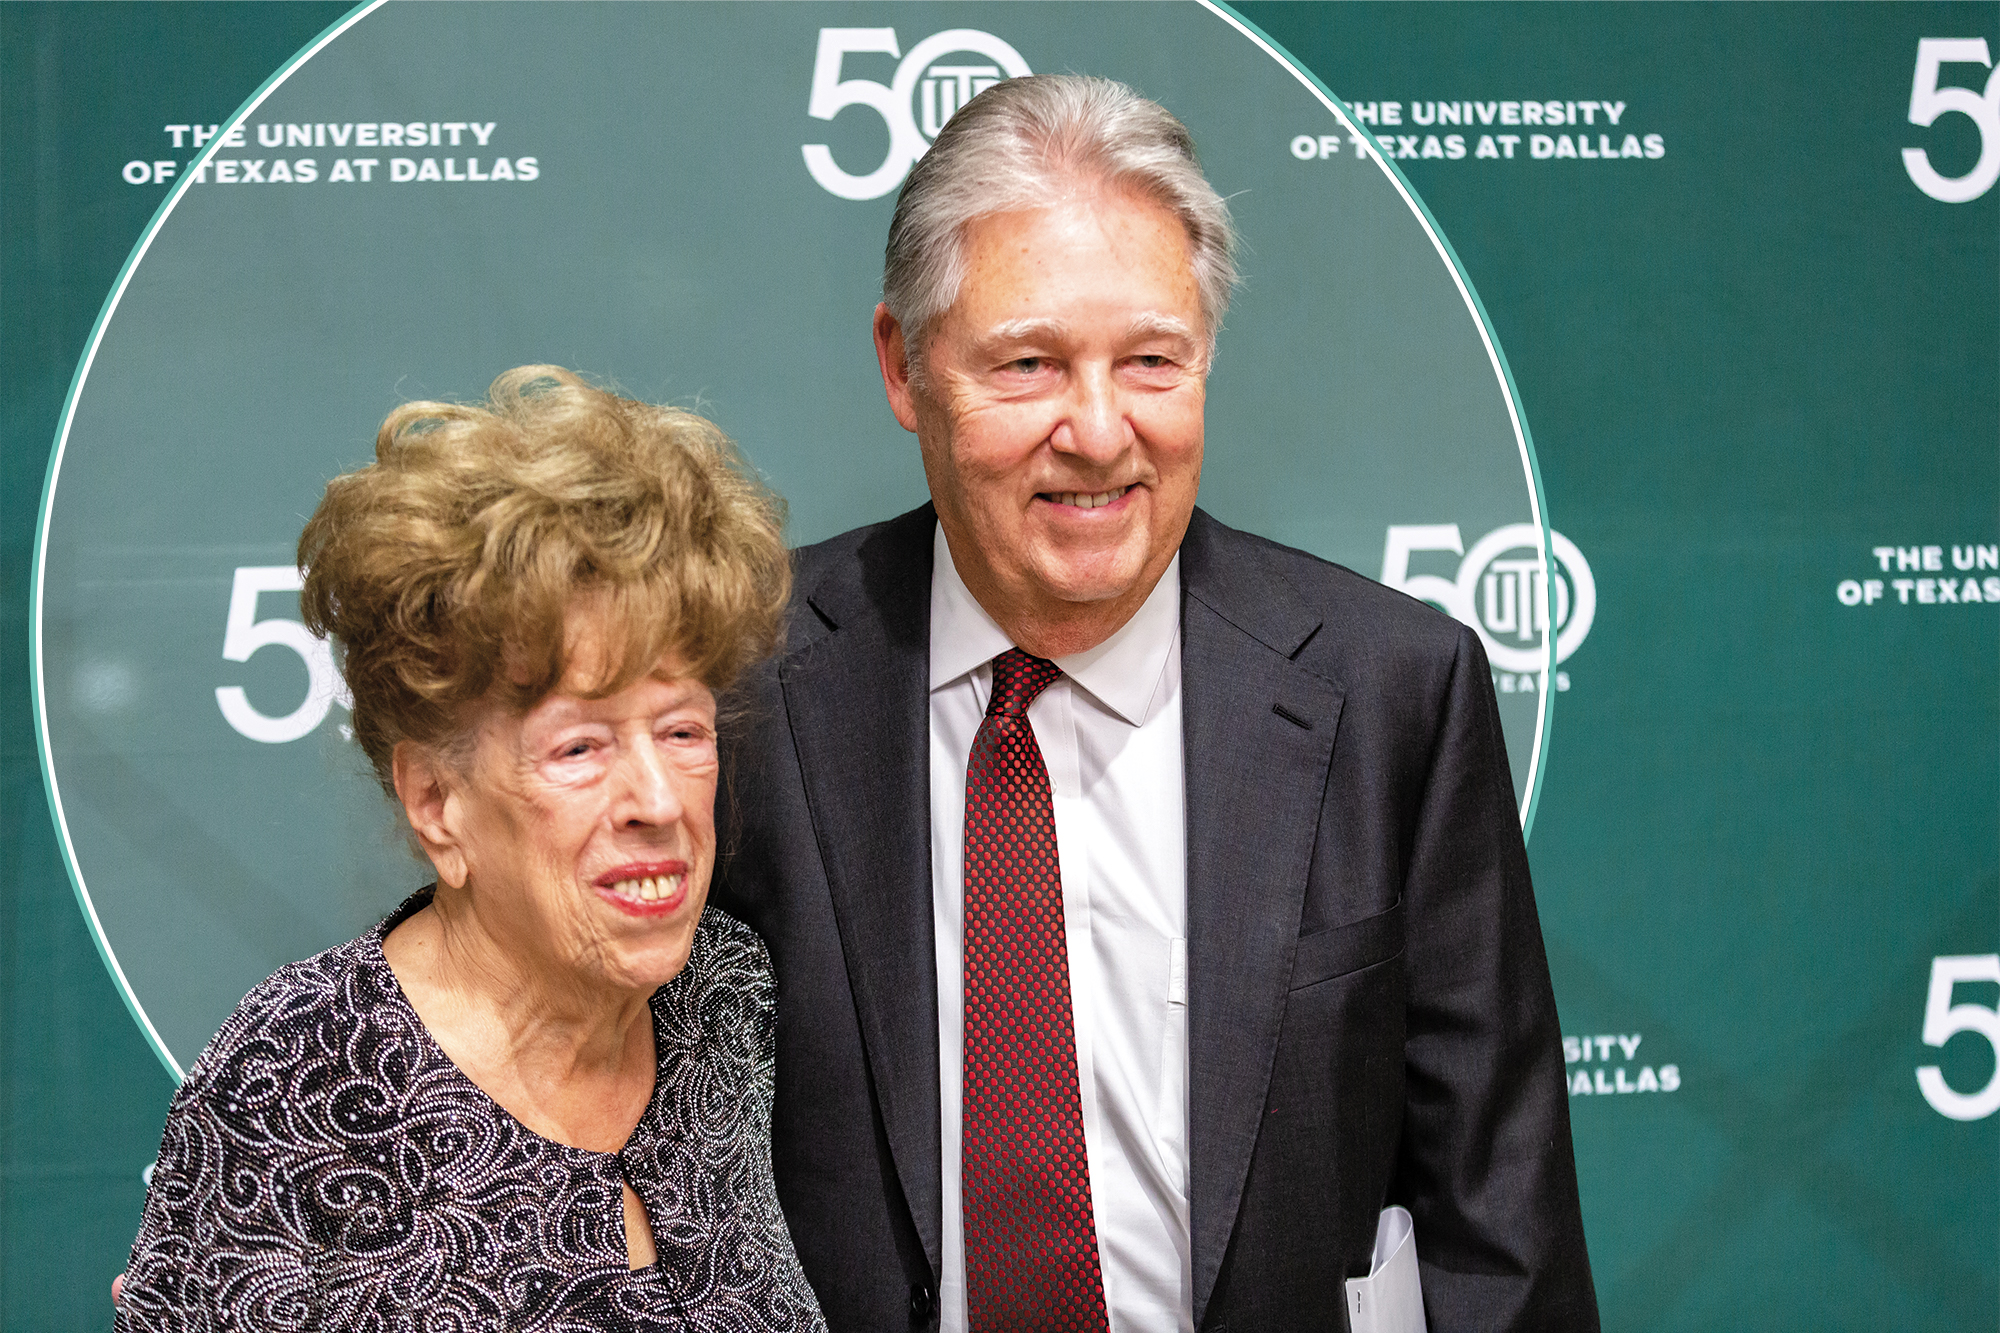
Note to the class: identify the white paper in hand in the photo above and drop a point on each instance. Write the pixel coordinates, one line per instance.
(1389, 1299)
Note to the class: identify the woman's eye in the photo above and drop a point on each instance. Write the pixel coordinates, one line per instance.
(574, 750)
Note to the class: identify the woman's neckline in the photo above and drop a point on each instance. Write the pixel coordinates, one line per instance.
(393, 987)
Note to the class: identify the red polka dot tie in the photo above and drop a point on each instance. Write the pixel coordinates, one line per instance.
(1030, 1241)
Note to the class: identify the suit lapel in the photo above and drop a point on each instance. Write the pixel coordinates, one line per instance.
(857, 696)
(1259, 742)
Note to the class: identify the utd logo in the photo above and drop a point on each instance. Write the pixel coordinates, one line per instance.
(1500, 589)
(939, 75)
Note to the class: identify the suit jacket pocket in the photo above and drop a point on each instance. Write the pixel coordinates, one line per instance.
(1338, 950)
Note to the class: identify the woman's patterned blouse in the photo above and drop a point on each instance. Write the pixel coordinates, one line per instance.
(326, 1166)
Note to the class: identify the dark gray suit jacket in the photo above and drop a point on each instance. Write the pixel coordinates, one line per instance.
(1369, 1012)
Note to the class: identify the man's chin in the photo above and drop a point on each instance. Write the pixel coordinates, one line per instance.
(1089, 582)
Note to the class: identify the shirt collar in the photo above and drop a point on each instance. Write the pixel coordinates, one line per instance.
(1122, 673)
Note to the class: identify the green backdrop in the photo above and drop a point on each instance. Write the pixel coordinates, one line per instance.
(248, 353)
(1761, 364)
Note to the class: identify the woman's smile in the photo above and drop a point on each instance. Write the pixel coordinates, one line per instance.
(651, 888)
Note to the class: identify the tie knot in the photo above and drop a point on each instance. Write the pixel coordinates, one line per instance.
(1017, 679)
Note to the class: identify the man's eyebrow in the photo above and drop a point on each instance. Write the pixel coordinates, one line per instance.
(1153, 324)
(1026, 330)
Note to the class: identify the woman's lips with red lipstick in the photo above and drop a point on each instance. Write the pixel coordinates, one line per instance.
(648, 888)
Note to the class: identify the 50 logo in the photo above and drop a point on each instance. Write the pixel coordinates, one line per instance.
(1944, 1020)
(1929, 100)
(243, 633)
(1501, 590)
(914, 105)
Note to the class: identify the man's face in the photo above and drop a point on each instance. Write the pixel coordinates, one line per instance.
(1061, 411)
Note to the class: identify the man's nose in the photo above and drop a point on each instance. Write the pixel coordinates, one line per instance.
(649, 794)
(1095, 428)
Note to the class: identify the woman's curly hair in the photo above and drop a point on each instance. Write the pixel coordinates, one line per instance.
(451, 566)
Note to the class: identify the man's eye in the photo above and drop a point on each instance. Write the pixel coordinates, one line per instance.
(1026, 365)
(1153, 362)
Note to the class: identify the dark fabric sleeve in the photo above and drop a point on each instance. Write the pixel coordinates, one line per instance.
(215, 1251)
(1486, 1165)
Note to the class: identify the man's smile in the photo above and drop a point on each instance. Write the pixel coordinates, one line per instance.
(1086, 499)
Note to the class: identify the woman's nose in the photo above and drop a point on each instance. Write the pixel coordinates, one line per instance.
(651, 794)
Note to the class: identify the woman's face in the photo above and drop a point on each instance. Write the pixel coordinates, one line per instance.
(587, 826)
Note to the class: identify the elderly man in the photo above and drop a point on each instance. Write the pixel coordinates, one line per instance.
(1147, 899)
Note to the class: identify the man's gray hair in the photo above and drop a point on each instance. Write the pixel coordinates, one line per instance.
(1027, 143)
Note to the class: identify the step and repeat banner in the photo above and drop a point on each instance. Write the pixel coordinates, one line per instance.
(1660, 345)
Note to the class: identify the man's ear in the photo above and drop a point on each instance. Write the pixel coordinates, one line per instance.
(894, 358)
(429, 796)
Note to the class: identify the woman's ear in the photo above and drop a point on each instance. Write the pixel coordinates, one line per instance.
(428, 791)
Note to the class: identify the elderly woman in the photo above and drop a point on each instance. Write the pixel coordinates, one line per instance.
(538, 1095)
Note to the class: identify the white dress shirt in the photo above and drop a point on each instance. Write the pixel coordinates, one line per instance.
(1110, 733)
